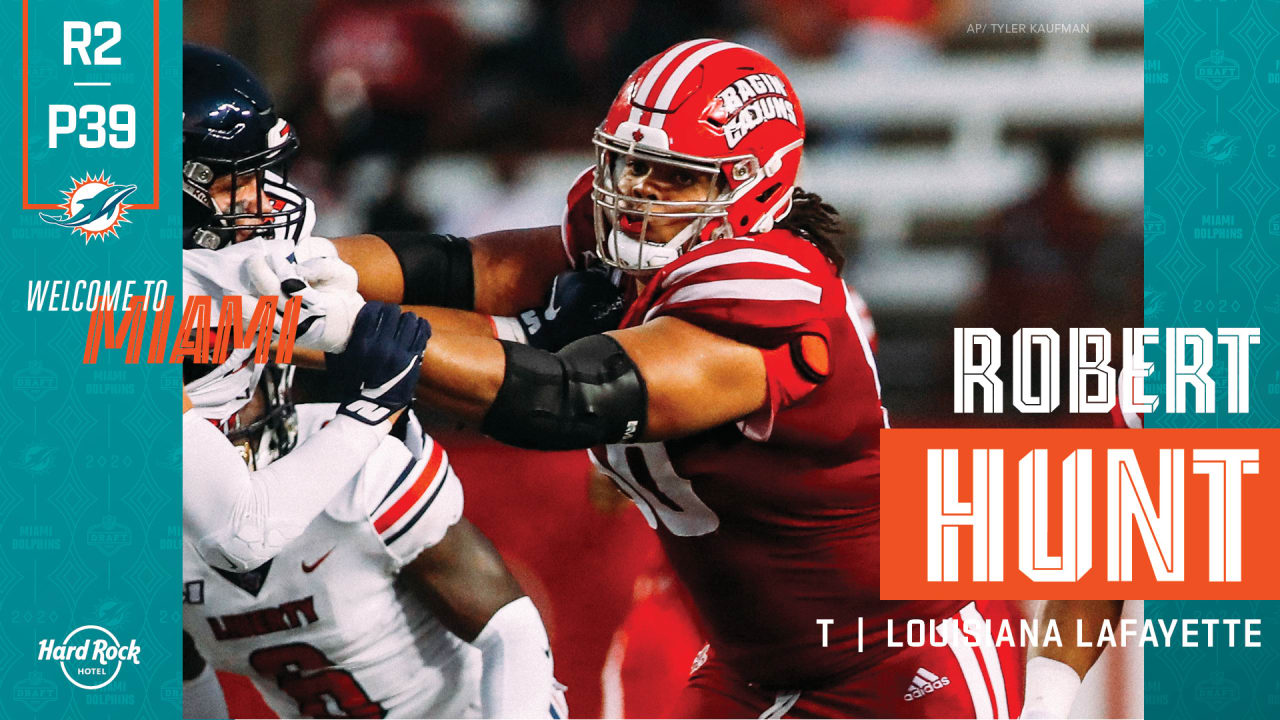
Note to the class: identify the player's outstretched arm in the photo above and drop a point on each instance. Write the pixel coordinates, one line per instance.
(663, 379)
(1054, 673)
(466, 584)
(238, 519)
(499, 273)
(694, 379)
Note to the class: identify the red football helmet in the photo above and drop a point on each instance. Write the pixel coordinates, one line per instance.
(707, 106)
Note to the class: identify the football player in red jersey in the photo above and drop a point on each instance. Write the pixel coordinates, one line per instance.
(737, 401)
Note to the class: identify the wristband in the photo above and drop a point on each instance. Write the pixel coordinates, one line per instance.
(1051, 688)
(509, 329)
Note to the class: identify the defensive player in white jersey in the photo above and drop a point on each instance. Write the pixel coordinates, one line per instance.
(239, 515)
(407, 567)
(388, 604)
(246, 232)
(235, 160)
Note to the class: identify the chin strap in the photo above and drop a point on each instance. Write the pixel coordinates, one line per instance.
(635, 255)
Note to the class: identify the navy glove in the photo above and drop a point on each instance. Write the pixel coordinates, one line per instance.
(377, 373)
(583, 303)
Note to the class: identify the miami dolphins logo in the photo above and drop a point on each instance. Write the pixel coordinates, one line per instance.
(1218, 147)
(37, 459)
(95, 207)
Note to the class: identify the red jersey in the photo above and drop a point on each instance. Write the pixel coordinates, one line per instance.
(771, 523)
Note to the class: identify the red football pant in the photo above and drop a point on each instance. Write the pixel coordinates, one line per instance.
(648, 663)
(956, 681)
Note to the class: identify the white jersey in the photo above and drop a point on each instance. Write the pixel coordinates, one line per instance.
(324, 629)
(218, 273)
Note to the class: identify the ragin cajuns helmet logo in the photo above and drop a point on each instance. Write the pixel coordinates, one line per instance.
(749, 103)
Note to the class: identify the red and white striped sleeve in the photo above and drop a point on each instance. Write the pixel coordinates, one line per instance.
(412, 510)
(779, 296)
(1123, 419)
(761, 294)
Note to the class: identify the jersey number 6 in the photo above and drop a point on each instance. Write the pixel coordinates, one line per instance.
(311, 679)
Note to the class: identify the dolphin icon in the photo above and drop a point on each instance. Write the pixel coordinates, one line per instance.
(37, 458)
(94, 208)
(1219, 148)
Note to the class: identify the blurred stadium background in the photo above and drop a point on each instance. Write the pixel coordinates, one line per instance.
(985, 178)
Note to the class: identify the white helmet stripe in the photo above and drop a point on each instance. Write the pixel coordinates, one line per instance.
(642, 95)
(681, 73)
(278, 133)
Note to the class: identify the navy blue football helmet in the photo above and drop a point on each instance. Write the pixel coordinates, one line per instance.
(230, 130)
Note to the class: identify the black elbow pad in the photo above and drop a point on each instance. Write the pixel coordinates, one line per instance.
(590, 393)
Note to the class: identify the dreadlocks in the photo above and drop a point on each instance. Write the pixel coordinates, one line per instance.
(817, 222)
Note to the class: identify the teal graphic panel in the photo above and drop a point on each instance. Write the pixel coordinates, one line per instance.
(1212, 239)
(89, 454)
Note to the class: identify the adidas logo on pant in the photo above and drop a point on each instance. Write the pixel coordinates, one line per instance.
(924, 683)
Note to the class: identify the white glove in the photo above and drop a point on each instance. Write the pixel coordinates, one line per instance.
(329, 274)
(327, 287)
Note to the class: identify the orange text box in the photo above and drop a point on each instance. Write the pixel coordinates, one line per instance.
(905, 516)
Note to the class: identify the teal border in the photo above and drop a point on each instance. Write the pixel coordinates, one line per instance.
(90, 458)
(1211, 231)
